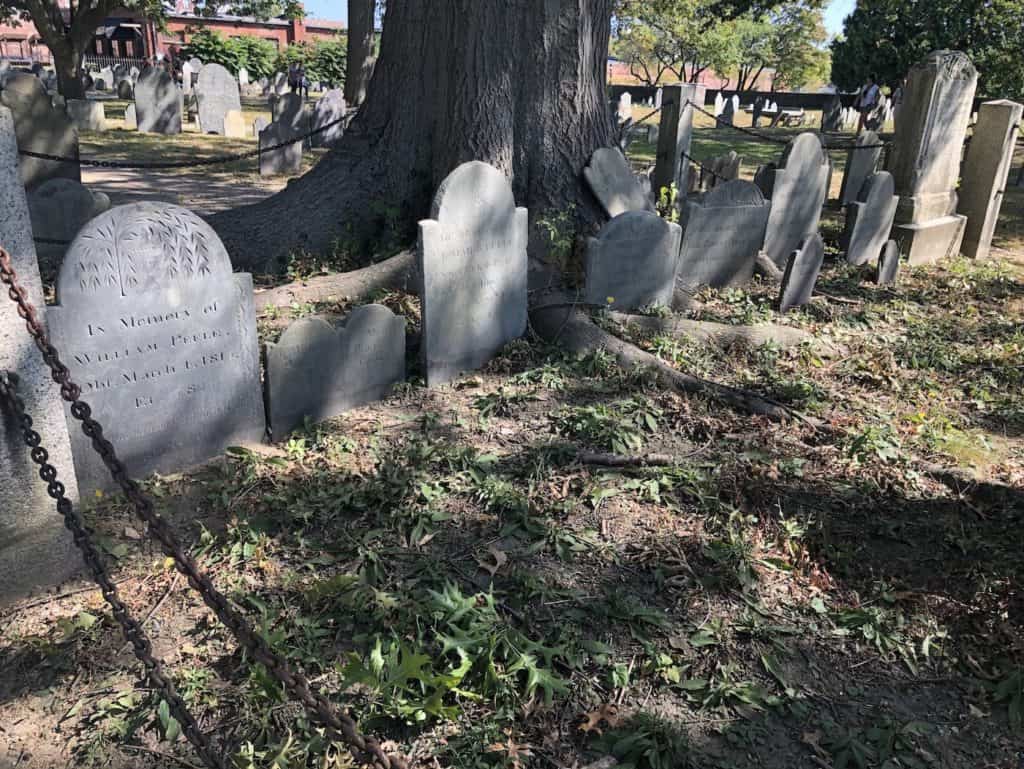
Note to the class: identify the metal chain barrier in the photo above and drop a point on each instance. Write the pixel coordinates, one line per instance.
(339, 724)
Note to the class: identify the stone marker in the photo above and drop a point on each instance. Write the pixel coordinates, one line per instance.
(719, 170)
(40, 127)
(288, 111)
(131, 122)
(59, 208)
(243, 76)
(832, 114)
(719, 107)
(797, 195)
(157, 102)
(986, 172)
(764, 178)
(861, 162)
(279, 85)
(613, 183)
(471, 259)
(258, 125)
(162, 338)
(329, 109)
(869, 220)
(888, 265)
(625, 109)
(125, 90)
(671, 166)
(286, 160)
(216, 92)
(234, 124)
(186, 77)
(728, 116)
(925, 161)
(87, 115)
(318, 371)
(801, 273)
(723, 230)
(632, 263)
(105, 79)
(35, 550)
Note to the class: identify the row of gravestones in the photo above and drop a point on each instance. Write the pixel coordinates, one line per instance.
(292, 119)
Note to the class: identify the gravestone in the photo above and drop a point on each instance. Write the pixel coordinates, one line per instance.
(764, 178)
(318, 371)
(801, 273)
(658, 96)
(186, 77)
(243, 76)
(124, 90)
(58, 209)
(869, 220)
(162, 338)
(289, 113)
(719, 170)
(35, 550)
(234, 124)
(157, 102)
(216, 93)
(888, 265)
(471, 259)
(286, 160)
(797, 193)
(279, 85)
(728, 116)
(723, 231)
(832, 114)
(632, 262)
(925, 160)
(40, 127)
(986, 171)
(87, 115)
(105, 79)
(861, 162)
(258, 125)
(131, 122)
(671, 166)
(329, 109)
(625, 108)
(122, 73)
(719, 104)
(613, 183)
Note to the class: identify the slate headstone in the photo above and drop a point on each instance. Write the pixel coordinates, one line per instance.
(58, 209)
(632, 263)
(157, 102)
(797, 195)
(216, 92)
(125, 90)
(162, 338)
(861, 162)
(613, 183)
(723, 231)
(869, 220)
(286, 160)
(289, 113)
(764, 178)
(471, 259)
(318, 371)
(802, 269)
(888, 269)
(40, 127)
(258, 125)
(87, 115)
(832, 114)
(329, 109)
(728, 116)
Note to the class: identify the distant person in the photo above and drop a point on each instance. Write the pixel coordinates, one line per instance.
(293, 77)
(867, 101)
(897, 102)
(759, 104)
(303, 82)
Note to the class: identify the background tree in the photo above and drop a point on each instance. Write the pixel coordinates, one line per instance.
(257, 55)
(359, 64)
(323, 60)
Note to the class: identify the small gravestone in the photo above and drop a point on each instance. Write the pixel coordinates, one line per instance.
(124, 90)
(289, 113)
(186, 77)
(131, 122)
(625, 108)
(861, 162)
(888, 265)
(234, 124)
(162, 338)
(832, 114)
(798, 192)
(719, 104)
(728, 116)
(613, 183)
(157, 102)
(216, 93)
(59, 208)
(632, 262)
(471, 259)
(869, 220)
(317, 371)
(105, 79)
(258, 125)
(286, 159)
(243, 76)
(801, 273)
(329, 110)
(40, 127)
(87, 115)
(723, 230)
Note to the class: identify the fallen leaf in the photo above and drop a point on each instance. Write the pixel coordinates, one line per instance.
(608, 713)
(131, 533)
(500, 559)
(514, 751)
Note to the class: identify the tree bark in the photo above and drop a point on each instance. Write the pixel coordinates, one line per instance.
(518, 84)
(359, 60)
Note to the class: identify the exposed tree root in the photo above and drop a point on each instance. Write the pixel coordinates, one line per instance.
(766, 267)
(619, 460)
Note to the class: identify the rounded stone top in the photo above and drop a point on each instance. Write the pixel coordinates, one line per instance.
(879, 186)
(737, 192)
(951, 65)
(473, 192)
(804, 151)
(634, 225)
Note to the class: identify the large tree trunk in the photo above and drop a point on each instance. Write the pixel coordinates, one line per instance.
(68, 65)
(517, 83)
(359, 62)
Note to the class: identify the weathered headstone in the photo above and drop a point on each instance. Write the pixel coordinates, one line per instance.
(861, 162)
(986, 171)
(728, 116)
(719, 170)
(869, 220)
(318, 371)
(625, 108)
(186, 77)
(329, 109)
(40, 127)
(925, 161)
(832, 114)
(105, 79)
(131, 121)
(157, 102)
(87, 115)
(671, 166)
(888, 265)
(719, 107)
(243, 76)
(723, 230)
(797, 195)
(613, 183)
(289, 113)
(59, 208)
(234, 124)
(471, 260)
(162, 338)
(632, 263)
(216, 92)
(764, 178)
(125, 90)
(35, 550)
(801, 273)
(285, 160)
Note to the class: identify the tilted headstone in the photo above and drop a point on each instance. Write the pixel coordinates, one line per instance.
(131, 121)
(632, 262)
(986, 171)
(216, 92)
(797, 195)
(869, 220)
(59, 208)
(888, 265)
(721, 169)
(87, 115)
(234, 124)
(289, 113)
(671, 166)
(329, 109)
(157, 102)
(614, 184)
(162, 338)
(125, 90)
(317, 371)
(925, 160)
(832, 114)
(723, 230)
(285, 160)
(35, 550)
(40, 127)
(801, 273)
(471, 259)
(728, 116)
(861, 162)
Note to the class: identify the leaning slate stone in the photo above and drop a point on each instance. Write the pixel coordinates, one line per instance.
(329, 109)
(869, 220)
(471, 259)
(286, 160)
(162, 338)
(40, 127)
(888, 265)
(613, 183)
(632, 262)
(764, 178)
(798, 193)
(59, 208)
(157, 102)
(723, 230)
(87, 115)
(861, 162)
(802, 273)
(216, 92)
(317, 371)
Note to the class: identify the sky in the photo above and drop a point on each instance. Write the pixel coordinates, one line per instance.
(835, 13)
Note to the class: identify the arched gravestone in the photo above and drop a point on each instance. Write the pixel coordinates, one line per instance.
(802, 270)
(157, 102)
(329, 109)
(318, 371)
(614, 184)
(39, 126)
(216, 92)
(632, 262)
(161, 336)
(861, 162)
(723, 231)
(869, 220)
(471, 257)
(797, 193)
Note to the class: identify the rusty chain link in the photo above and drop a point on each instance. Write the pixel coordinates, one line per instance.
(365, 750)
